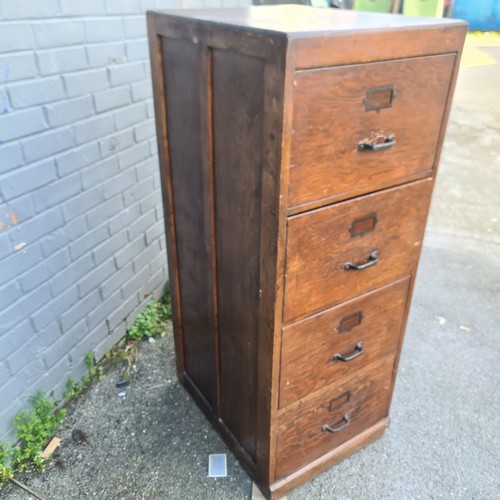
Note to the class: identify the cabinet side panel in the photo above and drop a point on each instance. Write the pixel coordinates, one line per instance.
(238, 102)
(183, 75)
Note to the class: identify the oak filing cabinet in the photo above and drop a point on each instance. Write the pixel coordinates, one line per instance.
(298, 149)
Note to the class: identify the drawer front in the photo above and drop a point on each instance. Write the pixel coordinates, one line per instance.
(380, 233)
(315, 427)
(336, 343)
(337, 108)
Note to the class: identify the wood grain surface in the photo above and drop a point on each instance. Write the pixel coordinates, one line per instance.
(259, 114)
(308, 347)
(183, 63)
(363, 399)
(278, 74)
(311, 469)
(326, 162)
(361, 46)
(302, 20)
(320, 244)
(238, 120)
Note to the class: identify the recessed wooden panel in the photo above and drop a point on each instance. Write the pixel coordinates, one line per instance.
(183, 75)
(326, 161)
(308, 347)
(320, 245)
(238, 114)
(361, 400)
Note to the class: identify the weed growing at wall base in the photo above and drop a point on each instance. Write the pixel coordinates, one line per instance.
(6, 470)
(34, 428)
(95, 372)
(151, 322)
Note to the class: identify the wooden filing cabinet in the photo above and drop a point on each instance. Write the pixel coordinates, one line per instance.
(298, 149)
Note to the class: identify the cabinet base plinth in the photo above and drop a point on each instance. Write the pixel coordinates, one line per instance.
(281, 487)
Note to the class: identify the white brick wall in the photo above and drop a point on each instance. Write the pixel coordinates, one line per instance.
(81, 228)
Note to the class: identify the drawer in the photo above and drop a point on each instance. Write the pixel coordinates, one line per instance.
(311, 429)
(335, 109)
(381, 233)
(362, 331)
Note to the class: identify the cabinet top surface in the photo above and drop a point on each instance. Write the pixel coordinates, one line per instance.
(302, 20)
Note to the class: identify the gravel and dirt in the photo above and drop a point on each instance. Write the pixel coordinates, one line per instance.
(151, 444)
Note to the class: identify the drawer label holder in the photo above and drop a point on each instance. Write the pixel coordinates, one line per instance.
(380, 98)
(363, 225)
(349, 322)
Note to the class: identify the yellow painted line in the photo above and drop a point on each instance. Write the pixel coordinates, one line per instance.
(473, 56)
(487, 39)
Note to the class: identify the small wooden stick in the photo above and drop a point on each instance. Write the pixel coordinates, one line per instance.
(156, 386)
(51, 447)
(147, 487)
(27, 488)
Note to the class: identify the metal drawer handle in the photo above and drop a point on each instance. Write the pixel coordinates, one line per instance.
(389, 142)
(372, 260)
(346, 421)
(357, 354)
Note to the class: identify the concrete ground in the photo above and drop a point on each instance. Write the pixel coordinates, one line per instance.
(444, 439)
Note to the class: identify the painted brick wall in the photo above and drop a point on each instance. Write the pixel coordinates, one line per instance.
(81, 225)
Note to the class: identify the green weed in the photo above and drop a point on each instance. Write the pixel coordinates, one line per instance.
(151, 322)
(6, 470)
(95, 372)
(73, 389)
(33, 428)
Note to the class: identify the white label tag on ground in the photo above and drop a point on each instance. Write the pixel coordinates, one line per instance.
(217, 465)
